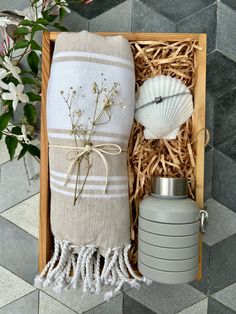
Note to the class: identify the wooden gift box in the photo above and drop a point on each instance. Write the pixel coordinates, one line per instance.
(48, 40)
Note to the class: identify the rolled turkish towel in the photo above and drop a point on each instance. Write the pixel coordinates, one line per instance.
(90, 110)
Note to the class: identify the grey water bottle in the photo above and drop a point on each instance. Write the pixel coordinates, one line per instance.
(168, 233)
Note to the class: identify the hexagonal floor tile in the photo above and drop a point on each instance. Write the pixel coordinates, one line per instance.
(12, 287)
(123, 24)
(203, 21)
(18, 251)
(25, 215)
(176, 10)
(222, 264)
(25, 305)
(166, 299)
(197, 308)
(114, 306)
(215, 307)
(226, 40)
(94, 8)
(145, 19)
(224, 180)
(221, 74)
(48, 305)
(225, 117)
(222, 223)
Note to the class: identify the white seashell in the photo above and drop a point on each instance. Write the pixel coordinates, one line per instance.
(162, 120)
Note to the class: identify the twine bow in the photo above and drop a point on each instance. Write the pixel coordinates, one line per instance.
(78, 152)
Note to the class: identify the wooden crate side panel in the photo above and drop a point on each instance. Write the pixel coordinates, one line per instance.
(199, 132)
(45, 236)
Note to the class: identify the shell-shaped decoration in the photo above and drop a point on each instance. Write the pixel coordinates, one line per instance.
(162, 119)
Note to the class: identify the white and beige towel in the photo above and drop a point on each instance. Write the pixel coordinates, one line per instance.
(92, 236)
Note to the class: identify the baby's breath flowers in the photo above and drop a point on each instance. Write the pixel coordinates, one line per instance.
(104, 101)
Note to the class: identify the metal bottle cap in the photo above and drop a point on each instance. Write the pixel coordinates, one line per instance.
(169, 187)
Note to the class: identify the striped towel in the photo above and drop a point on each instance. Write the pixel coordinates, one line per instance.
(91, 228)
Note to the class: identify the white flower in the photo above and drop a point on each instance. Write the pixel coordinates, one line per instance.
(3, 74)
(23, 137)
(15, 94)
(30, 13)
(4, 21)
(58, 5)
(11, 68)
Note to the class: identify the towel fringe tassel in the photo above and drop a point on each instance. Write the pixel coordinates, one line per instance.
(85, 266)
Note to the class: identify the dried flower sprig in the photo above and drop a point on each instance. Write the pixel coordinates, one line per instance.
(105, 100)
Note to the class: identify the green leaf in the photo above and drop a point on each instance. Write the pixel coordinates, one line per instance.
(21, 44)
(33, 97)
(60, 27)
(42, 21)
(33, 61)
(34, 150)
(34, 45)
(28, 80)
(16, 130)
(30, 113)
(62, 13)
(22, 31)
(1, 134)
(49, 17)
(23, 151)
(26, 23)
(37, 28)
(11, 142)
(4, 119)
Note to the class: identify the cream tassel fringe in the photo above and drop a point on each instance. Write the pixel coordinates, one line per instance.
(85, 265)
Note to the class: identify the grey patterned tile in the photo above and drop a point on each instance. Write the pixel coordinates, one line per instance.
(221, 74)
(228, 147)
(224, 180)
(230, 3)
(197, 308)
(167, 299)
(95, 8)
(203, 284)
(75, 22)
(133, 307)
(48, 305)
(112, 23)
(18, 251)
(25, 305)
(13, 5)
(12, 287)
(222, 223)
(227, 296)
(226, 40)
(176, 10)
(114, 306)
(4, 156)
(76, 300)
(202, 22)
(225, 117)
(144, 19)
(25, 215)
(14, 184)
(215, 307)
(222, 264)
(208, 175)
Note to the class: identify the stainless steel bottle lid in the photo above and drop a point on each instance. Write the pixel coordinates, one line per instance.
(169, 187)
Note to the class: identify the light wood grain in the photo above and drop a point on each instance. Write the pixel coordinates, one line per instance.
(45, 237)
(199, 131)
(45, 243)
